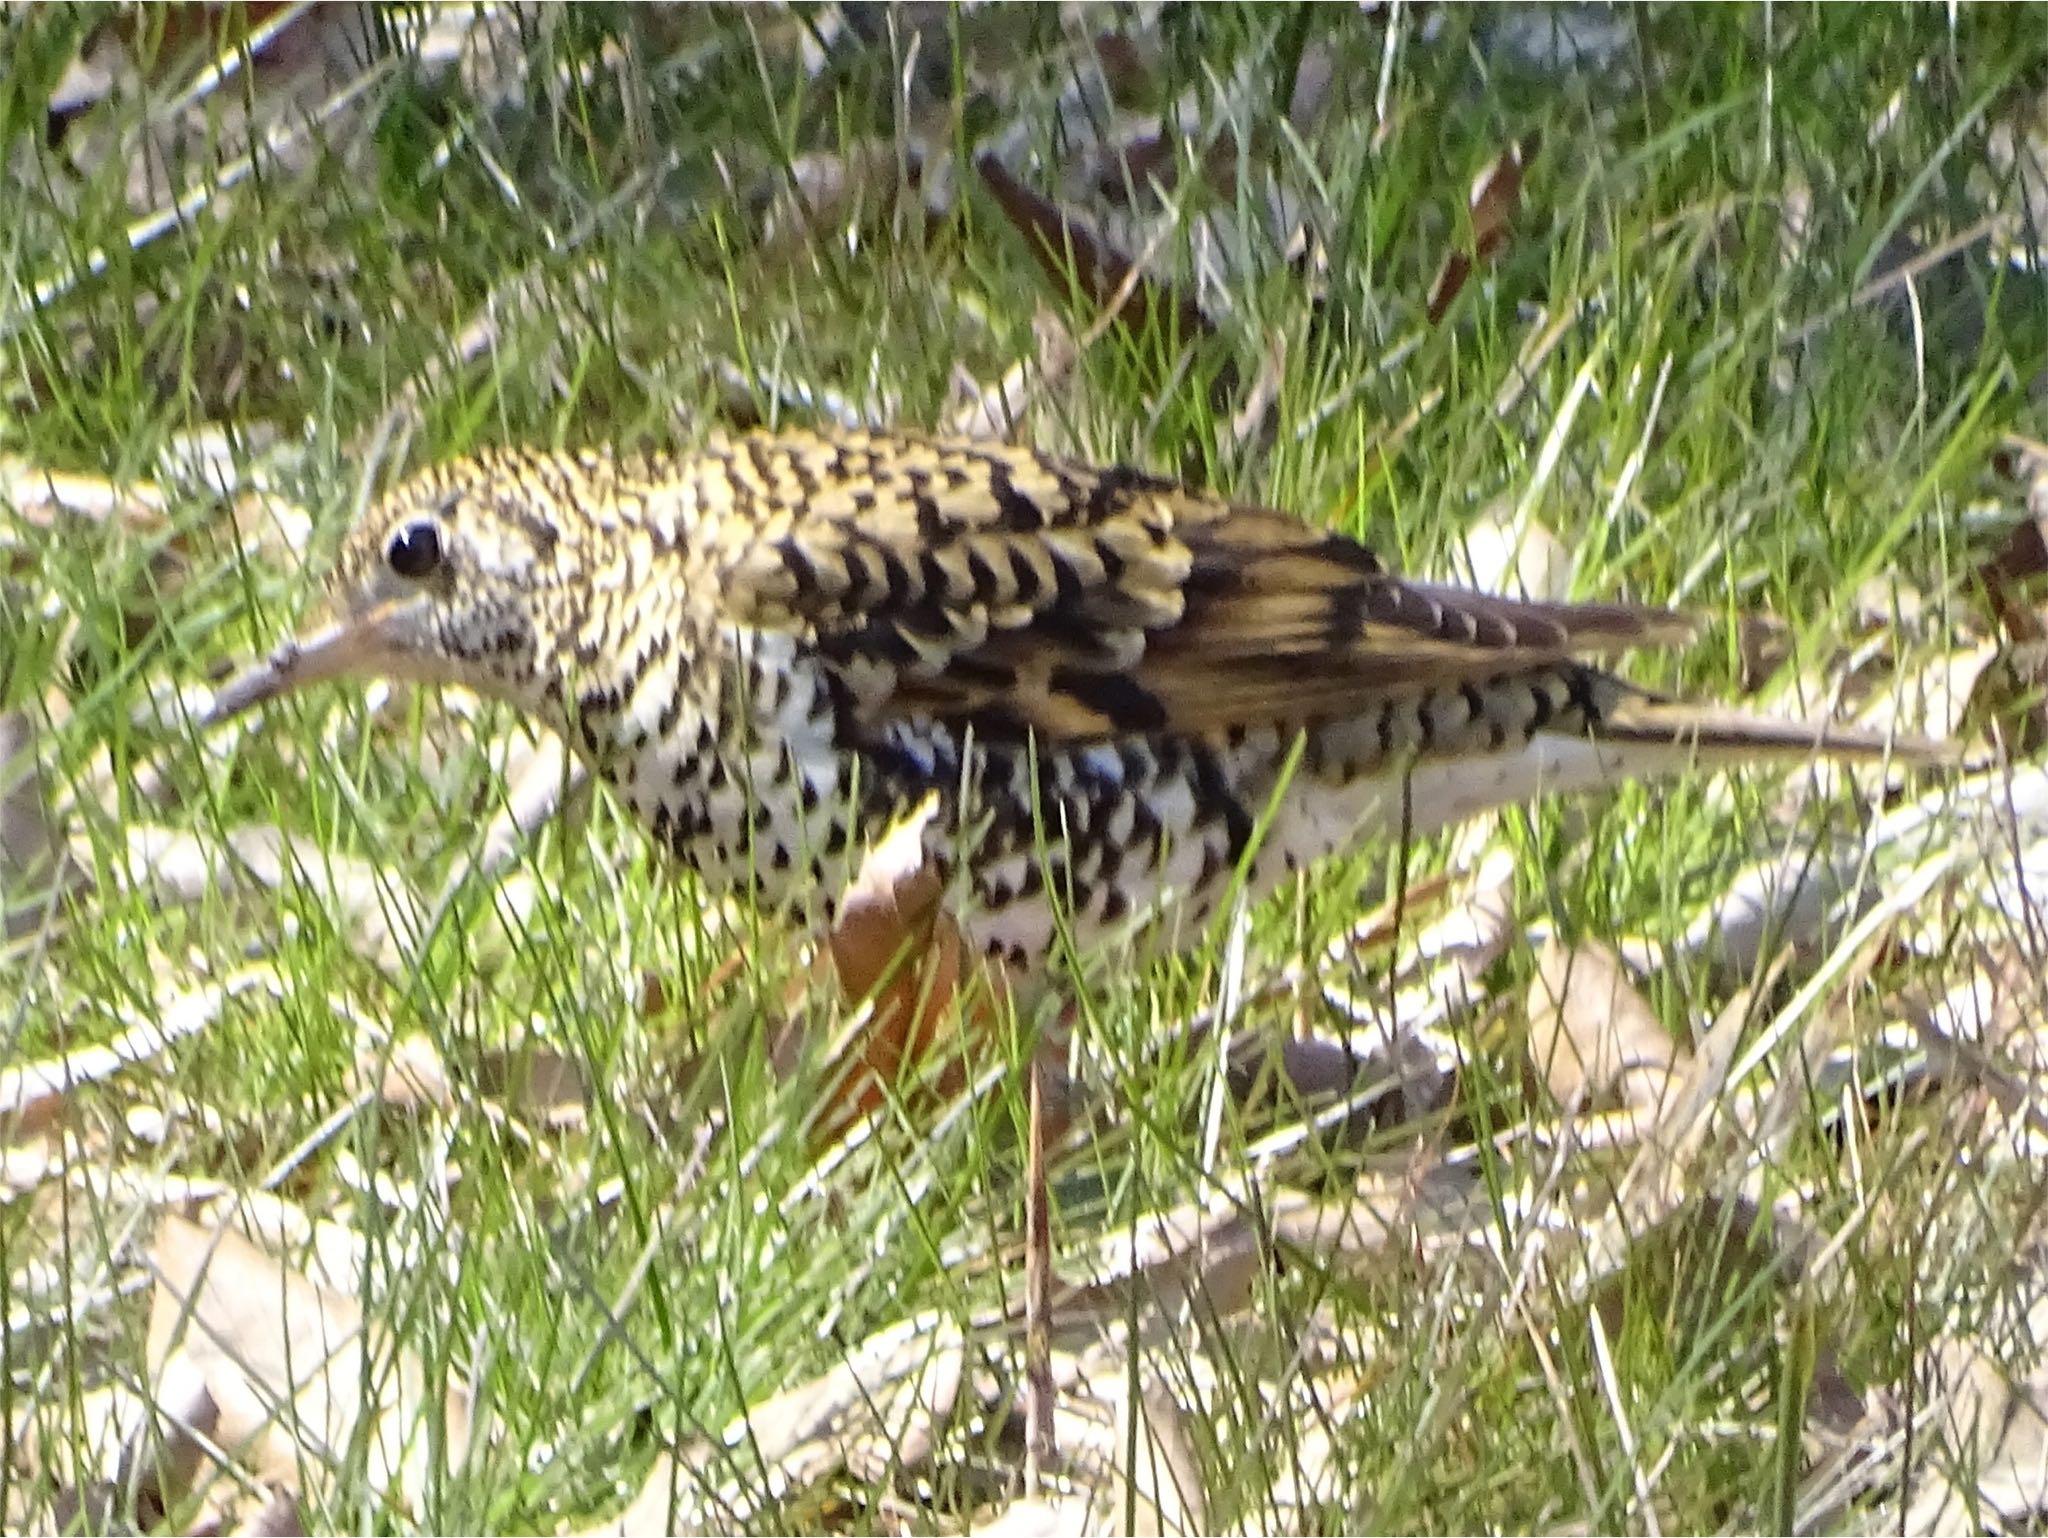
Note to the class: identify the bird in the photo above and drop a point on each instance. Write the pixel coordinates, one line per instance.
(1129, 698)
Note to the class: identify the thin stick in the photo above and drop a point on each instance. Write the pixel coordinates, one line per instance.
(1038, 1387)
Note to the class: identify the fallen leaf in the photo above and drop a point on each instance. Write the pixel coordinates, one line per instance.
(1989, 1467)
(331, 1254)
(1492, 204)
(411, 1076)
(1496, 196)
(536, 1082)
(1592, 1036)
(1518, 558)
(294, 1370)
(893, 946)
(1130, 61)
(372, 908)
(1073, 256)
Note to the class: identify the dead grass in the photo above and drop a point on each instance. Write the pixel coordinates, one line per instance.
(389, 1142)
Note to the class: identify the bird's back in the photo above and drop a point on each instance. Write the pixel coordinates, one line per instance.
(1111, 683)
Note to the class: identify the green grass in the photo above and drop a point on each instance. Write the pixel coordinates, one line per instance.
(1701, 413)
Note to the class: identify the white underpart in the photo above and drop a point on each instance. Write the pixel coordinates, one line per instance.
(1314, 819)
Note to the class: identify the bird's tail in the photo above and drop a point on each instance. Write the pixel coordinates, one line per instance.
(1711, 735)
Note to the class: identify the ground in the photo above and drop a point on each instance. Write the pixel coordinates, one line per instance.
(1665, 1160)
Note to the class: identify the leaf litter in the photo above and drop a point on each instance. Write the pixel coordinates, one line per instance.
(1695, 1112)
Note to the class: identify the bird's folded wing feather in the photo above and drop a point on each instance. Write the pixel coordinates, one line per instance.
(1024, 592)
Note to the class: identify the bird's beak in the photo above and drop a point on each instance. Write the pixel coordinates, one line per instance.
(358, 645)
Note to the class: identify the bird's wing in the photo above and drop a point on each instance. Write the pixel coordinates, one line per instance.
(973, 581)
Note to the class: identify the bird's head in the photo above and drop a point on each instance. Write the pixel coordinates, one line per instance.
(454, 577)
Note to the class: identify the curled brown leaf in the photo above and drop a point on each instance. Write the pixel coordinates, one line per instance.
(1073, 255)
(1595, 1040)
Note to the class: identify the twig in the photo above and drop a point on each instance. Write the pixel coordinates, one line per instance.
(1038, 1385)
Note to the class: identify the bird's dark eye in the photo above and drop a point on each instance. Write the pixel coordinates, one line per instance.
(415, 550)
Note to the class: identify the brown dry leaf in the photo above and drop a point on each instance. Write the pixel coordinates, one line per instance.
(1449, 282)
(1074, 256)
(524, 1079)
(1131, 61)
(332, 1254)
(1592, 1036)
(411, 1077)
(1989, 1464)
(1496, 196)
(2011, 576)
(287, 1364)
(1494, 201)
(537, 1083)
(2002, 686)
(895, 947)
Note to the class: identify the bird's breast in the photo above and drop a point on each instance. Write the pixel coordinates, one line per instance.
(756, 774)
